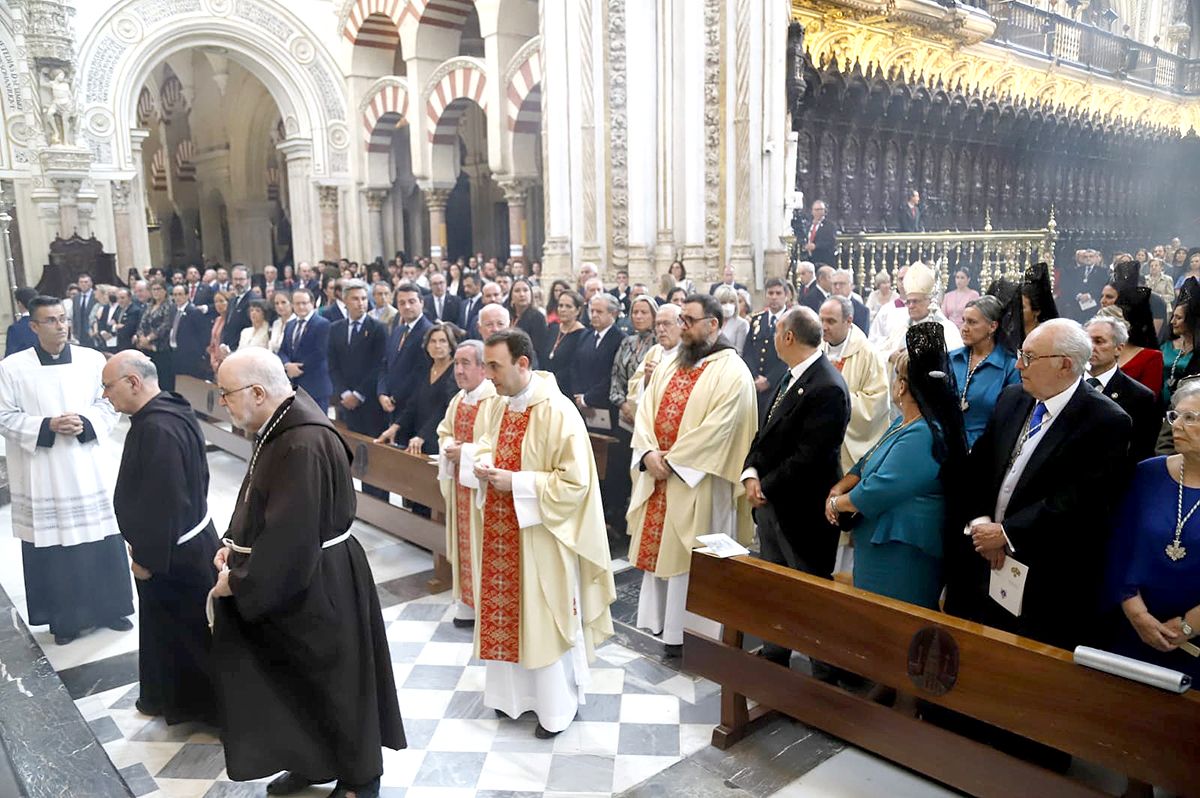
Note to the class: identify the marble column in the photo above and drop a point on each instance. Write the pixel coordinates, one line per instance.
(435, 200)
(122, 191)
(305, 224)
(68, 205)
(331, 245)
(139, 232)
(515, 190)
(250, 234)
(376, 197)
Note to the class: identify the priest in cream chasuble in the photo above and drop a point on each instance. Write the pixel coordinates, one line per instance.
(693, 429)
(461, 427)
(544, 582)
(56, 423)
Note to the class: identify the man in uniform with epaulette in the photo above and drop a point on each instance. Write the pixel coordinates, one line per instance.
(759, 350)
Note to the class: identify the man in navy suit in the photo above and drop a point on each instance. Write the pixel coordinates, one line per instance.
(406, 361)
(356, 346)
(20, 335)
(820, 237)
(1109, 337)
(305, 349)
(909, 218)
(440, 304)
(189, 336)
(237, 317)
(81, 311)
(471, 300)
(727, 279)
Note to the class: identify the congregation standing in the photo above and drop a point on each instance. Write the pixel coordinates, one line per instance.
(918, 438)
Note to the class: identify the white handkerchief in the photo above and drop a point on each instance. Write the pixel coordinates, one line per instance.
(721, 545)
(1007, 585)
(1087, 304)
(445, 467)
(466, 467)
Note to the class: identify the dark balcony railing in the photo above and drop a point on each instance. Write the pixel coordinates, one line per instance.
(1036, 30)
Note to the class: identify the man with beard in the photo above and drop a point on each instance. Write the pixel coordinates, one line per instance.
(545, 581)
(461, 427)
(301, 664)
(161, 501)
(692, 432)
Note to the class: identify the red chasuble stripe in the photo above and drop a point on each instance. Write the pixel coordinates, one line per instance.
(464, 432)
(500, 571)
(666, 430)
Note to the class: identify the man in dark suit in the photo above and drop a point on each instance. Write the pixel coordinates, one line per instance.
(908, 216)
(795, 457)
(129, 315)
(20, 334)
(189, 336)
(355, 358)
(305, 349)
(406, 361)
(1109, 336)
(809, 292)
(592, 379)
(621, 292)
(727, 278)
(820, 237)
(81, 311)
(842, 285)
(1082, 284)
(237, 317)
(489, 294)
(759, 349)
(440, 304)
(471, 301)
(199, 294)
(1036, 491)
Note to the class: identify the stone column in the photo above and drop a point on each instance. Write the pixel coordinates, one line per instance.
(435, 200)
(515, 189)
(375, 197)
(122, 192)
(250, 234)
(740, 253)
(305, 224)
(139, 233)
(68, 205)
(331, 245)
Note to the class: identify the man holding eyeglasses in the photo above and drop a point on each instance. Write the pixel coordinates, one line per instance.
(55, 419)
(1041, 491)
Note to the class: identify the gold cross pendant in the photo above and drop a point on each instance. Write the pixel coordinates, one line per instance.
(1176, 552)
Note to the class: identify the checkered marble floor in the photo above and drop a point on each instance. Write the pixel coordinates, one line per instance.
(640, 718)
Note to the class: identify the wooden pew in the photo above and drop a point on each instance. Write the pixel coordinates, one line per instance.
(1004, 680)
(412, 476)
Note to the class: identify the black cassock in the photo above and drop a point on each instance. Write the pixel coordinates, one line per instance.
(301, 660)
(161, 495)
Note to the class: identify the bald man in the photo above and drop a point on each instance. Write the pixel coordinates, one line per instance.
(161, 502)
(301, 664)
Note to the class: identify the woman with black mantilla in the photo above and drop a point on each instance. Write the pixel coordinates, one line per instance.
(301, 664)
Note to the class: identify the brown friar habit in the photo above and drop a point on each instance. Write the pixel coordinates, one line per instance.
(161, 496)
(300, 655)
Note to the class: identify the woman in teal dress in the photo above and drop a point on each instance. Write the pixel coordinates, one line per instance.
(895, 492)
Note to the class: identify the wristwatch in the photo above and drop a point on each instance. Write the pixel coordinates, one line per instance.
(1186, 628)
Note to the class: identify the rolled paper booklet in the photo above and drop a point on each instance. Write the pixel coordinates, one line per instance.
(1129, 668)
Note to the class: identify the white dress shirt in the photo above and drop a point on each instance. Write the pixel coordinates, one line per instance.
(1105, 377)
(1054, 408)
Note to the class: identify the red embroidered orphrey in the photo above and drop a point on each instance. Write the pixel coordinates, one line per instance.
(499, 606)
(464, 432)
(666, 430)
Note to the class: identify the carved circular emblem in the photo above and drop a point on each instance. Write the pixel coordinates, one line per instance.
(302, 50)
(100, 121)
(127, 28)
(18, 131)
(933, 660)
(221, 8)
(359, 467)
(339, 136)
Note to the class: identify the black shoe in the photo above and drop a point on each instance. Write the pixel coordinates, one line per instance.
(146, 708)
(288, 783)
(464, 623)
(63, 639)
(365, 791)
(120, 625)
(542, 733)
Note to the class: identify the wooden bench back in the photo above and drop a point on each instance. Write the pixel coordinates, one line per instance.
(1007, 681)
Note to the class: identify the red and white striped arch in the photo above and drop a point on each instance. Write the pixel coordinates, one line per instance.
(383, 114)
(450, 14)
(524, 109)
(443, 109)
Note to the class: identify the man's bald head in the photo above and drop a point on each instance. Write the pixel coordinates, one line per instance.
(130, 380)
(252, 385)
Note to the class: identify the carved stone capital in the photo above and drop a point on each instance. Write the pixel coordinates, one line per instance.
(68, 189)
(122, 193)
(436, 198)
(375, 199)
(328, 197)
(515, 189)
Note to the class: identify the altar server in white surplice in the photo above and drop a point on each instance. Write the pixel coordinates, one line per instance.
(461, 427)
(693, 430)
(55, 420)
(544, 582)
